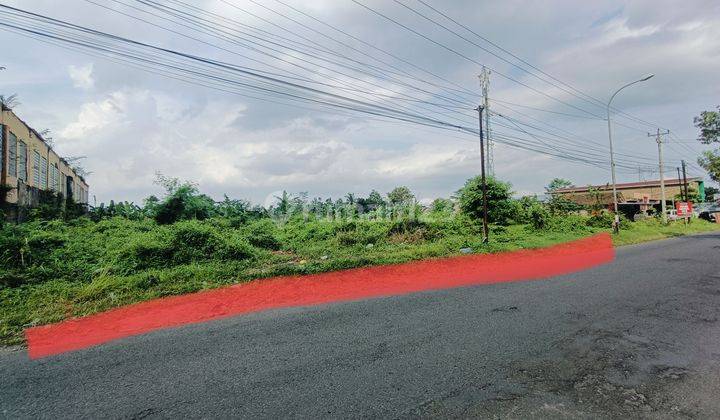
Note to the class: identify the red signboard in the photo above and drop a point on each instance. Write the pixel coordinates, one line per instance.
(684, 209)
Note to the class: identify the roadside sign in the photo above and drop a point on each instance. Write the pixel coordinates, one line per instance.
(684, 208)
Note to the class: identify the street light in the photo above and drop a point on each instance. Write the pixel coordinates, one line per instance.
(616, 223)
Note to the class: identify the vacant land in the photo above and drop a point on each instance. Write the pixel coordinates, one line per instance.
(54, 270)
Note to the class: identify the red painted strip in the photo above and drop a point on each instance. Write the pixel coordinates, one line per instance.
(316, 289)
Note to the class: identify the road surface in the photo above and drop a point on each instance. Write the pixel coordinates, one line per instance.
(639, 337)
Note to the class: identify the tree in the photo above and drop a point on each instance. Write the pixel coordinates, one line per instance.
(710, 161)
(711, 193)
(233, 209)
(709, 124)
(182, 201)
(375, 199)
(501, 209)
(283, 204)
(401, 195)
(558, 183)
(558, 204)
(373, 202)
(442, 205)
(693, 195)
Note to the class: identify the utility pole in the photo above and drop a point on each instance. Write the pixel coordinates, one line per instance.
(682, 196)
(658, 139)
(482, 175)
(685, 185)
(485, 84)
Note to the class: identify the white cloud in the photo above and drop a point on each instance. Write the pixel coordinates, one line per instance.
(94, 116)
(131, 123)
(82, 76)
(618, 29)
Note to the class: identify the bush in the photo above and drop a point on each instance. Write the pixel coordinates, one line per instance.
(193, 241)
(144, 251)
(182, 202)
(539, 216)
(12, 241)
(237, 248)
(362, 232)
(264, 234)
(601, 220)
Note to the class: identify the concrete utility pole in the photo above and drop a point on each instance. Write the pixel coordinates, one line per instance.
(682, 195)
(685, 185)
(482, 175)
(658, 139)
(616, 222)
(485, 84)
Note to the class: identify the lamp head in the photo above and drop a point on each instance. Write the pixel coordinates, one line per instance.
(648, 77)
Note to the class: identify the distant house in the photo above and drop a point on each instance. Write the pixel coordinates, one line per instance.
(632, 193)
(28, 165)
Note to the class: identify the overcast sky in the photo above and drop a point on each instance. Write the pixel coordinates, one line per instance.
(131, 123)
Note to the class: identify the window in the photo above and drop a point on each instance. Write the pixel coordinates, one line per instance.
(36, 169)
(43, 174)
(70, 188)
(22, 161)
(12, 155)
(54, 178)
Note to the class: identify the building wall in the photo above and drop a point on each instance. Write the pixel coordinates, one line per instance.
(633, 194)
(37, 169)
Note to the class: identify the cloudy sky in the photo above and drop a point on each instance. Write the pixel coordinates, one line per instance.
(131, 123)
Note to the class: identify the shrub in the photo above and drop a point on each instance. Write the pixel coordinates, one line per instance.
(144, 251)
(362, 232)
(539, 216)
(601, 220)
(182, 202)
(12, 243)
(194, 241)
(42, 243)
(264, 233)
(235, 247)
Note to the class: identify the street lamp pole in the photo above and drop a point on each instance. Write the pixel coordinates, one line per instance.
(616, 222)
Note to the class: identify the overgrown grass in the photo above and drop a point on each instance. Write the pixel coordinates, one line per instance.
(652, 230)
(50, 271)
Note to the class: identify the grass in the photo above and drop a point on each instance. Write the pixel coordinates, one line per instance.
(652, 230)
(51, 271)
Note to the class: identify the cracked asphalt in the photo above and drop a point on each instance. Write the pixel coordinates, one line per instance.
(636, 338)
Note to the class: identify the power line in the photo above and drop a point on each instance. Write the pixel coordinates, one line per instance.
(579, 93)
(225, 75)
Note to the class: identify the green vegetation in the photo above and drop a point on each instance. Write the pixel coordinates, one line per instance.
(709, 124)
(52, 269)
(652, 230)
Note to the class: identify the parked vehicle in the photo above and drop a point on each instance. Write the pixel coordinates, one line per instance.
(701, 207)
(711, 213)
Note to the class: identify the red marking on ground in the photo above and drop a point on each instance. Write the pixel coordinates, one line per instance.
(316, 289)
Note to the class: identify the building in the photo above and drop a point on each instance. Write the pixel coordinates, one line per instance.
(631, 195)
(28, 166)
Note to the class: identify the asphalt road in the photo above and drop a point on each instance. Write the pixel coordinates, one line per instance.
(636, 338)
